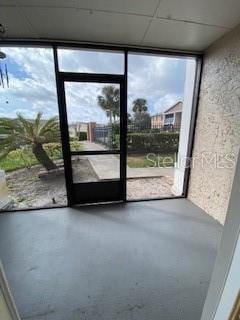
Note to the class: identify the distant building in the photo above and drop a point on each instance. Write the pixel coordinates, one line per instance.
(173, 115)
(157, 121)
(75, 128)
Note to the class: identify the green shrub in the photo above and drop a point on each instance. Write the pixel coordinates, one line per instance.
(22, 158)
(17, 159)
(53, 149)
(164, 142)
(75, 146)
(73, 139)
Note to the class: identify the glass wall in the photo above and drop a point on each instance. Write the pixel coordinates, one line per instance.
(31, 164)
(93, 112)
(160, 92)
(91, 61)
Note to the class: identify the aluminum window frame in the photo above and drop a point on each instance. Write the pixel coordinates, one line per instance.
(126, 50)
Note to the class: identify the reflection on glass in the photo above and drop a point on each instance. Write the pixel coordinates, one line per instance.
(93, 111)
(91, 61)
(92, 168)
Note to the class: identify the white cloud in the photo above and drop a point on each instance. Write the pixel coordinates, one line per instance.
(33, 88)
(32, 83)
(156, 79)
(165, 102)
(91, 61)
(81, 100)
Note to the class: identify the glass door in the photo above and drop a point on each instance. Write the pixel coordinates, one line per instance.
(93, 137)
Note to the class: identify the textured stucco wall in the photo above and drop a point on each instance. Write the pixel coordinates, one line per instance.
(218, 127)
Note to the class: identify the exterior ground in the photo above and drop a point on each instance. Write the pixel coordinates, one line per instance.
(28, 189)
(149, 188)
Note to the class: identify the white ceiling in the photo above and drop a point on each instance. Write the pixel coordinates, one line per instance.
(173, 24)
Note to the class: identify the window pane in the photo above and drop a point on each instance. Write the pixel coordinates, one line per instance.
(160, 91)
(93, 111)
(91, 61)
(32, 172)
(92, 168)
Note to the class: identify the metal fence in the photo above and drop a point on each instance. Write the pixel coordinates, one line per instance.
(109, 135)
(136, 127)
(103, 135)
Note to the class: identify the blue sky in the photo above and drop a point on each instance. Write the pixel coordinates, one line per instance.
(160, 80)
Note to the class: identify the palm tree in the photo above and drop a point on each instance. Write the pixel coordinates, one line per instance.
(140, 105)
(109, 102)
(22, 132)
(142, 119)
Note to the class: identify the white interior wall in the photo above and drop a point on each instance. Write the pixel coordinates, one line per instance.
(231, 288)
(220, 285)
(185, 126)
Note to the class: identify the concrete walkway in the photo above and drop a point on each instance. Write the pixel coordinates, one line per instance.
(107, 166)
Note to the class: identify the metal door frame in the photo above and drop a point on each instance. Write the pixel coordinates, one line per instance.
(92, 192)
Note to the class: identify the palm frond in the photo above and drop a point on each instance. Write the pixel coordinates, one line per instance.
(50, 126)
(109, 101)
(21, 132)
(37, 123)
(26, 126)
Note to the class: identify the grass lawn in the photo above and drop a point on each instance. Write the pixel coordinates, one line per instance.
(17, 160)
(23, 158)
(151, 160)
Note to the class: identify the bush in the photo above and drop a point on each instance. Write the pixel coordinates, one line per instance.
(75, 146)
(82, 135)
(73, 139)
(53, 149)
(164, 142)
(17, 159)
(22, 158)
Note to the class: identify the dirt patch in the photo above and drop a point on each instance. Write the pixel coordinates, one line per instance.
(27, 190)
(147, 188)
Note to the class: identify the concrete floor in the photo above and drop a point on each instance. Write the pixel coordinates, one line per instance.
(136, 261)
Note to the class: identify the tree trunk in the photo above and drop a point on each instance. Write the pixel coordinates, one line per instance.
(110, 130)
(42, 157)
(110, 118)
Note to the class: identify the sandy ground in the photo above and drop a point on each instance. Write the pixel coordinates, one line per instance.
(27, 190)
(146, 188)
